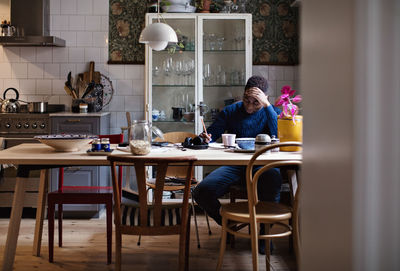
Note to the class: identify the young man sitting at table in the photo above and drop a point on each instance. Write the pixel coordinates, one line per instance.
(252, 116)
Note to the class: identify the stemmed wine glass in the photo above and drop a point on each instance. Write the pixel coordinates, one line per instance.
(167, 68)
(207, 74)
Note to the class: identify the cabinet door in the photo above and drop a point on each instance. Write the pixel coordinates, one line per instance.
(172, 81)
(224, 62)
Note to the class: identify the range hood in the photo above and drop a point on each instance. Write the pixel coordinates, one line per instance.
(33, 16)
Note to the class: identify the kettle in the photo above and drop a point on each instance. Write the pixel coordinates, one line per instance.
(10, 105)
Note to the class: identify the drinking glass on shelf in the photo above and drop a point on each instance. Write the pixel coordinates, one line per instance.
(212, 41)
(156, 73)
(207, 74)
(179, 72)
(220, 43)
(167, 68)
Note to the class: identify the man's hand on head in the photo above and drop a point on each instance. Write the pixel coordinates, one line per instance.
(259, 95)
(206, 137)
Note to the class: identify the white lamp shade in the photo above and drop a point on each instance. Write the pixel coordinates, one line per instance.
(158, 35)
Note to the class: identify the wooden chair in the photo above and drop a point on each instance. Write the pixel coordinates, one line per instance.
(179, 172)
(81, 195)
(156, 218)
(254, 212)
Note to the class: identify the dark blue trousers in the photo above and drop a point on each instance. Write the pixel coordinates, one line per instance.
(217, 184)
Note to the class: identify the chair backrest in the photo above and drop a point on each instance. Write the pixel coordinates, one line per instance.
(176, 137)
(253, 177)
(140, 164)
(114, 138)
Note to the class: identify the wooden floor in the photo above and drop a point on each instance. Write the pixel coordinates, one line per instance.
(85, 249)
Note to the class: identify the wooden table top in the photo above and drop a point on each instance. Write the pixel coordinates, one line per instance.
(41, 154)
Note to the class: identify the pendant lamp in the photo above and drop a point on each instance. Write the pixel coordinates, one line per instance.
(158, 35)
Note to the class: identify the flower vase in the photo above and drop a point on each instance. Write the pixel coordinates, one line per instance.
(290, 131)
(206, 6)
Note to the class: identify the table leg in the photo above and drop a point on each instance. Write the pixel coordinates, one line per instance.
(40, 209)
(14, 224)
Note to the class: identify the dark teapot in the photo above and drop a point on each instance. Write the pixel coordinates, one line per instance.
(10, 105)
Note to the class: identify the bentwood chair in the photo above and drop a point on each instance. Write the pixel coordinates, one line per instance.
(81, 195)
(254, 212)
(178, 172)
(156, 218)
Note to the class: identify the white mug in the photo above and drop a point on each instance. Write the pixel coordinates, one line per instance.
(228, 140)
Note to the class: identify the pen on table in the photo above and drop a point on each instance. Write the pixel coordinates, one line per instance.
(204, 126)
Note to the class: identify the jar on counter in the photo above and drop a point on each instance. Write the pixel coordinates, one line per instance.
(262, 140)
(83, 108)
(96, 145)
(105, 144)
(274, 140)
(140, 137)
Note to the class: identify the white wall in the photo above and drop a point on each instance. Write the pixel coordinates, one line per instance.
(350, 79)
(41, 71)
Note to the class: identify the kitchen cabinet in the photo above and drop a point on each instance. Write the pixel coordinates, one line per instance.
(93, 124)
(197, 81)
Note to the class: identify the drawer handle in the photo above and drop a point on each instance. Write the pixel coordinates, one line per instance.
(73, 120)
(73, 168)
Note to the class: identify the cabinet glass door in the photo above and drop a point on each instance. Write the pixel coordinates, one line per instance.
(173, 81)
(224, 63)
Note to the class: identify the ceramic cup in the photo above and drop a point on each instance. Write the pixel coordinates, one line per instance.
(228, 140)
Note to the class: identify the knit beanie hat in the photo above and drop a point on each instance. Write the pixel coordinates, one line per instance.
(257, 81)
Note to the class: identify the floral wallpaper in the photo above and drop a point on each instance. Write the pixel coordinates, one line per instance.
(127, 19)
(275, 31)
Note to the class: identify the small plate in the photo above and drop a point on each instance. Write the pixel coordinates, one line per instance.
(198, 147)
(99, 153)
(243, 150)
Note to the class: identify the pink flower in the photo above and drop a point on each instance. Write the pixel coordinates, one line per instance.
(285, 100)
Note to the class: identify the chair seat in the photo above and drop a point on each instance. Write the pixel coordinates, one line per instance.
(170, 215)
(266, 211)
(171, 184)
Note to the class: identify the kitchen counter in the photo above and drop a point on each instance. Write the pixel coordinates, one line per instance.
(71, 114)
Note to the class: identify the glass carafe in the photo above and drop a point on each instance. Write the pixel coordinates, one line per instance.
(140, 137)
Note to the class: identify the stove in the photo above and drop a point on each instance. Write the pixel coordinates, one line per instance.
(27, 124)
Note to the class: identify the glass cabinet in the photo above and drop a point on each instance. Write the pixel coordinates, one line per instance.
(198, 80)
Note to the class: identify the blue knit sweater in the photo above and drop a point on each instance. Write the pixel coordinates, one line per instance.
(234, 119)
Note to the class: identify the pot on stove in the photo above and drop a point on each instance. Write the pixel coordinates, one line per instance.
(10, 105)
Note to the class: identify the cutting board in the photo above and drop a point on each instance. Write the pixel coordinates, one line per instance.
(91, 75)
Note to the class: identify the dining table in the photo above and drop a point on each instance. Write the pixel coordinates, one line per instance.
(30, 156)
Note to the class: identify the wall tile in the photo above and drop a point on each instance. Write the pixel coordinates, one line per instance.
(100, 39)
(134, 72)
(117, 71)
(68, 7)
(104, 23)
(27, 86)
(59, 22)
(138, 87)
(43, 86)
(100, 7)
(77, 23)
(67, 100)
(5, 70)
(11, 83)
(82, 67)
(54, 99)
(121, 120)
(60, 55)
(55, 7)
(58, 87)
(124, 87)
(51, 71)
(69, 37)
(19, 70)
(11, 54)
(84, 39)
(288, 73)
(104, 54)
(134, 103)
(76, 55)
(35, 71)
(117, 103)
(44, 54)
(84, 7)
(113, 119)
(92, 54)
(66, 68)
(1, 54)
(2, 85)
(93, 23)
(28, 54)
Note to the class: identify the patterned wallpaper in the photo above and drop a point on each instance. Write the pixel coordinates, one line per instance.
(275, 31)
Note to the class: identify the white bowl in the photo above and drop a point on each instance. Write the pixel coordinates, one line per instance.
(66, 143)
